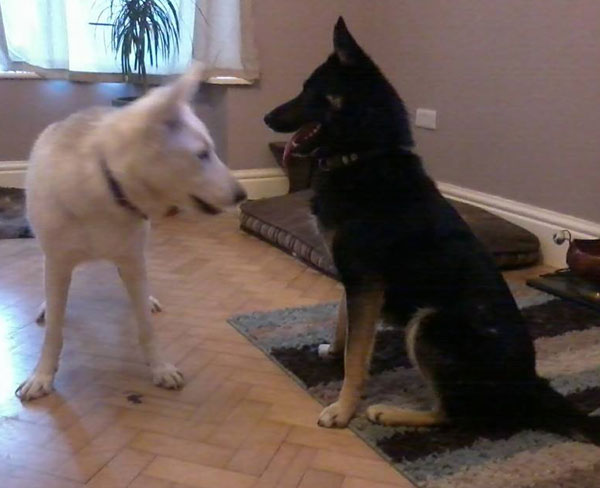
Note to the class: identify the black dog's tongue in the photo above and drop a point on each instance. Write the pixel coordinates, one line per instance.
(299, 142)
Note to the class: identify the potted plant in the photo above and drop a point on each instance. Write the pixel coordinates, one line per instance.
(142, 31)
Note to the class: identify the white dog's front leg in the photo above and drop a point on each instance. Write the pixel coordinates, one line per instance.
(40, 318)
(133, 273)
(57, 278)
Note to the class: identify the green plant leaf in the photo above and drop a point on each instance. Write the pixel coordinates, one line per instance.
(141, 28)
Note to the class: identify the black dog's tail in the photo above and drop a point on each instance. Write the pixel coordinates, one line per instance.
(557, 414)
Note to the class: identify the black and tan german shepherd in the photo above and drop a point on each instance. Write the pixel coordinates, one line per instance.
(404, 253)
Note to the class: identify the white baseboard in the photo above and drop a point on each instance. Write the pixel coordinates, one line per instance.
(539, 221)
(263, 182)
(269, 182)
(259, 183)
(12, 173)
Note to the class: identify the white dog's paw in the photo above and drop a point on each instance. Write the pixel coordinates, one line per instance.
(327, 351)
(167, 376)
(155, 305)
(41, 315)
(36, 386)
(335, 415)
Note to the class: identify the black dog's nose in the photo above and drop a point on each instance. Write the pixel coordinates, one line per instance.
(240, 195)
(268, 118)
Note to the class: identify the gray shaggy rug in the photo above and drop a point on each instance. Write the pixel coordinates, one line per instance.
(567, 340)
(13, 224)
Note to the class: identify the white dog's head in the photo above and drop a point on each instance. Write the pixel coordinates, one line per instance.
(167, 154)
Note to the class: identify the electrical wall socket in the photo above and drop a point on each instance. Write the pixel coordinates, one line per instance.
(426, 118)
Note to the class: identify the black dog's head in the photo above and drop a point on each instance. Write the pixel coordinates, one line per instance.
(346, 105)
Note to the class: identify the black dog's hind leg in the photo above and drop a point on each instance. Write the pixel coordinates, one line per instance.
(364, 309)
(336, 348)
(390, 415)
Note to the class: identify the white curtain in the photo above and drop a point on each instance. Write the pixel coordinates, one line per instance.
(57, 38)
(224, 39)
(4, 59)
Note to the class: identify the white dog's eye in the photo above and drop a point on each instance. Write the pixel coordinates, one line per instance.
(204, 155)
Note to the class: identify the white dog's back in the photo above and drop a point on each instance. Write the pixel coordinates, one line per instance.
(67, 197)
(93, 175)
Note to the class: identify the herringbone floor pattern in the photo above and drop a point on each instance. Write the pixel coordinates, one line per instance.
(239, 422)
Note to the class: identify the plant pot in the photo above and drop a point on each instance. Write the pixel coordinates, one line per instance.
(122, 101)
(583, 258)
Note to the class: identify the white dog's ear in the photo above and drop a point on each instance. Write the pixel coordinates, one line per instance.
(166, 101)
(184, 88)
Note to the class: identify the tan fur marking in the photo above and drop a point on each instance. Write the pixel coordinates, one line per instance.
(412, 329)
(336, 101)
(341, 328)
(412, 334)
(326, 234)
(364, 310)
(389, 415)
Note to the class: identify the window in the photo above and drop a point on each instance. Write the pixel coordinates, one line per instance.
(61, 35)
(64, 38)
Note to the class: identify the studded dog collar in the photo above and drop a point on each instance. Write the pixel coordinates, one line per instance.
(341, 160)
(117, 192)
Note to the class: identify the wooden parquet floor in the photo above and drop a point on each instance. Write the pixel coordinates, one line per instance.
(239, 422)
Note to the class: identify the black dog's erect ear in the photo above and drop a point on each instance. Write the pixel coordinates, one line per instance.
(346, 48)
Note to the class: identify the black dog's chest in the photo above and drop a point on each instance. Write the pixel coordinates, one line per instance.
(335, 202)
(412, 238)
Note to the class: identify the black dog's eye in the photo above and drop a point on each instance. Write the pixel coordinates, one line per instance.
(204, 155)
(336, 101)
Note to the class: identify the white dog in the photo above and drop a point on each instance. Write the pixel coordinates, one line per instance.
(95, 179)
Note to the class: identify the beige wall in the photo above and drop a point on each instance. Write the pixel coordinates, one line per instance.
(27, 106)
(517, 87)
(516, 84)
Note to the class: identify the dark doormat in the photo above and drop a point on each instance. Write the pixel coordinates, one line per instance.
(565, 284)
(13, 223)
